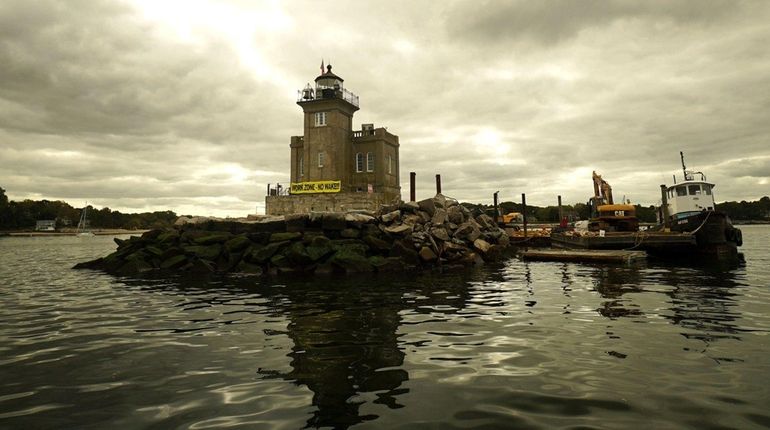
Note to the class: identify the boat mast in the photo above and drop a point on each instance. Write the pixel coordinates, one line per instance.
(687, 177)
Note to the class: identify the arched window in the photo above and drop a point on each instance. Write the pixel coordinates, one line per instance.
(360, 162)
(370, 161)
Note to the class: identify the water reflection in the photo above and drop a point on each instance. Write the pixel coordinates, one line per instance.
(612, 282)
(703, 301)
(346, 342)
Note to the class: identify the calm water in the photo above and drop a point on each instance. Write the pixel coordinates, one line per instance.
(516, 345)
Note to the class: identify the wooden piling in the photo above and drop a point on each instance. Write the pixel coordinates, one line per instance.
(438, 184)
(494, 197)
(561, 214)
(524, 212)
(664, 207)
(412, 194)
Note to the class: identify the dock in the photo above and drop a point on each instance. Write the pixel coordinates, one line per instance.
(584, 255)
(642, 240)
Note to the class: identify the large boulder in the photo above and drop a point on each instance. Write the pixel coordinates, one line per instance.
(411, 207)
(281, 237)
(297, 255)
(237, 244)
(376, 244)
(333, 221)
(271, 224)
(350, 261)
(350, 233)
(174, 262)
(249, 268)
(427, 255)
(262, 255)
(485, 221)
(391, 217)
(481, 245)
(399, 229)
(412, 219)
(212, 238)
(440, 233)
(134, 267)
(468, 231)
(319, 248)
(439, 217)
(427, 205)
(168, 237)
(296, 222)
(407, 253)
(357, 220)
(210, 252)
(440, 201)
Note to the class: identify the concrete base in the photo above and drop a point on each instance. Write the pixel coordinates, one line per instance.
(337, 202)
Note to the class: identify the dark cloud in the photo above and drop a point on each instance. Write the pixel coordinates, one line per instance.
(190, 107)
(551, 22)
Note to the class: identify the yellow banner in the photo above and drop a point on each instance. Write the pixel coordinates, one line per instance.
(315, 187)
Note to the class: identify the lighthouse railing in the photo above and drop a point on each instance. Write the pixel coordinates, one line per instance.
(325, 92)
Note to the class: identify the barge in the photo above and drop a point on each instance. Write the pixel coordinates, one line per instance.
(690, 228)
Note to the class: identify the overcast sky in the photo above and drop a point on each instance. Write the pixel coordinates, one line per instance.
(189, 105)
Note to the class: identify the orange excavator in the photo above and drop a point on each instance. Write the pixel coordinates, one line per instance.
(606, 214)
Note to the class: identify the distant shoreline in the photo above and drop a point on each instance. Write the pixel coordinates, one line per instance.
(100, 232)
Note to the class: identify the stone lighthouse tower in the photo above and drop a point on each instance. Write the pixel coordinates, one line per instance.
(333, 167)
(321, 154)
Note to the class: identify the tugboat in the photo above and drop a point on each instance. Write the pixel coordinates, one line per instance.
(688, 207)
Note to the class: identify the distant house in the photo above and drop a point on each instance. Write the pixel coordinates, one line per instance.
(45, 225)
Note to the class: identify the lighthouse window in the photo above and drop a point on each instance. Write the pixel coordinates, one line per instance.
(694, 190)
(370, 161)
(320, 119)
(320, 159)
(681, 191)
(301, 165)
(360, 162)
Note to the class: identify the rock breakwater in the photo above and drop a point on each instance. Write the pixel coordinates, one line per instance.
(436, 232)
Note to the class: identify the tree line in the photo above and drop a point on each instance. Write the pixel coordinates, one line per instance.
(738, 211)
(24, 215)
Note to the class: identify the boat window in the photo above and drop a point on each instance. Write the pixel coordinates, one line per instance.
(694, 190)
(681, 191)
(707, 189)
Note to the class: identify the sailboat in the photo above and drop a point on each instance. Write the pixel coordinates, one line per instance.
(83, 224)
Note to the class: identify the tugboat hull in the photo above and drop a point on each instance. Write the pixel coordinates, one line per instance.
(710, 228)
(714, 233)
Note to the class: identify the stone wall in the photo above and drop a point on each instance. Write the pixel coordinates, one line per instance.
(336, 202)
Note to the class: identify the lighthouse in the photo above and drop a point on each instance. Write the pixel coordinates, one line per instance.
(334, 167)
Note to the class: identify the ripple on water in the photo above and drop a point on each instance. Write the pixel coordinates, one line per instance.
(517, 345)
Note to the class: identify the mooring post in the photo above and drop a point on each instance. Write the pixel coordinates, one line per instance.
(268, 190)
(561, 214)
(664, 207)
(494, 196)
(438, 184)
(524, 211)
(412, 197)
